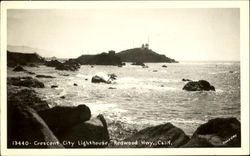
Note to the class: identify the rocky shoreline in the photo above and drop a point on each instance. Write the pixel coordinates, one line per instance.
(33, 124)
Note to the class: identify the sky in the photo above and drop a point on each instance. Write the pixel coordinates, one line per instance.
(191, 34)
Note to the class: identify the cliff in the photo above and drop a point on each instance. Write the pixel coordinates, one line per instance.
(143, 55)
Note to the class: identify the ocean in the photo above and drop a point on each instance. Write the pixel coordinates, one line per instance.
(142, 97)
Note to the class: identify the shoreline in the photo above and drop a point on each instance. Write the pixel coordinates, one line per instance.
(142, 142)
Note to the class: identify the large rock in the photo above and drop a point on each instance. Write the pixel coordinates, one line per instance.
(70, 65)
(219, 132)
(24, 81)
(53, 63)
(60, 118)
(26, 97)
(165, 135)
(89, 134)
(201, 85)
(103, 78)
(26, 129)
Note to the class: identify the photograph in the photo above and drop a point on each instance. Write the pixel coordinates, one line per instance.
(140, 76)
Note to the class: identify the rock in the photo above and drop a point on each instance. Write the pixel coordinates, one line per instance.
(100, 59)
(18, 69)
(54, 86)
(60, 118)
(89, 134)
(98, 79)
(75, 84)
(164, 66)
(164, 135)
(25, 96)
(218, 132)
(200, 85)
(24, 81)
(86, 79)
(112, 88)
(17, 58)
(138, 63)
(62, 97)
(26, 128)
(186, 79)
(44, 76)
(70, 65)
(53, 63)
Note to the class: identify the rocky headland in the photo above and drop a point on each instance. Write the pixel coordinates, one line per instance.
(143, 55)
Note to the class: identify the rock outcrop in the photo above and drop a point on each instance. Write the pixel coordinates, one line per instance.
(70, 65)
(89, 134)
(60, 118)
(165, 135)
(25, 96)
(53, 63)
(16, 58)
(218, 132)
(200, 85)
(25, 82)
(100, 59)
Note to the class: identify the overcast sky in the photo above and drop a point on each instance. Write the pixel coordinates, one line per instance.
(182, 34)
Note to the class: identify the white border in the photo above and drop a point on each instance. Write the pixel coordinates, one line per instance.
(244, 56)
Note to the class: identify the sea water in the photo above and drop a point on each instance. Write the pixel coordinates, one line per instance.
(142, 97)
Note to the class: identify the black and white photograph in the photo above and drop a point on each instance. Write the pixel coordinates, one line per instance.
(124, 78)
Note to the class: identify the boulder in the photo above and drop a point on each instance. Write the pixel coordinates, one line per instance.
(98, 79)
(26, 129)
(164, 135)
(89, 134)
(164, 66)
(60, 118)
(218, 132)
(62, 97)
(18, 69)
(44, 76)
(25, 96)
(201, 85)
(103, 78)
(75, 84)
(54, 86)
(24, 81)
